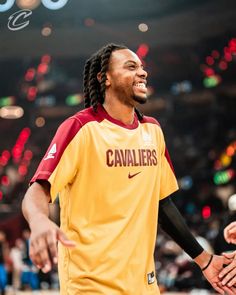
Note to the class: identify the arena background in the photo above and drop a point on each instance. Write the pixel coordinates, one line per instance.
(189, 50)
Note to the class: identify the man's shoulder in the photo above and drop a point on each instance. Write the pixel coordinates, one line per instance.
(85, 116)
(151, 120)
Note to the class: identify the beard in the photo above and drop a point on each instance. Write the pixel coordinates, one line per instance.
(140, 99)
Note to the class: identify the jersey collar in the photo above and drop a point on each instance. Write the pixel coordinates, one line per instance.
(105, 115)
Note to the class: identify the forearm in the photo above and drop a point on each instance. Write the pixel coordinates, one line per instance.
(174, 225)
(35, 202)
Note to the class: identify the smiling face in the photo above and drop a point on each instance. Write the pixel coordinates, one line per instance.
(126, 78)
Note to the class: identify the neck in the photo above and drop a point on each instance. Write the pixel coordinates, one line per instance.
(119, 111)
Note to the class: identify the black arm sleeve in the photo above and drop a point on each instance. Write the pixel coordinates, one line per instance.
(173, 224)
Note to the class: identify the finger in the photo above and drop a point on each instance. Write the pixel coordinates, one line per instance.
(35, 258)
(41, 250)
(229, 291)
(231, 225)
(230, 278)
(52, 246)
(227, 261)
(230, 230)
(228, 273)
(232, 282)
(229, 255)
(64, 240)
(218, 288)
(225, 289)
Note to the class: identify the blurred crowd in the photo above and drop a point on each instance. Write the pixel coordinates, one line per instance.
(16, 269)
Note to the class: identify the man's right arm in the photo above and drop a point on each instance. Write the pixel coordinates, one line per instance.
(44, 233)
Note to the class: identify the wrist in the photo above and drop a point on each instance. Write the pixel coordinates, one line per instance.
(36, 219)
(208, 264)
(203, 260)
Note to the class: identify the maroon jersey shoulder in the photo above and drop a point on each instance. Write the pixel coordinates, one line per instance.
(151, 120)
(87, 115)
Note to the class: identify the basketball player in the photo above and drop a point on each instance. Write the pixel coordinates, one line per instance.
(111, 168)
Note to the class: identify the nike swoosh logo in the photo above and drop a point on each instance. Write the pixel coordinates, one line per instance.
(132, 175)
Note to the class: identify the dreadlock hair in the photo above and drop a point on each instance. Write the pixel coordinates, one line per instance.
(94, 91)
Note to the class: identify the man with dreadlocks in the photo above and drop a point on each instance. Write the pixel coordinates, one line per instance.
(110, 166)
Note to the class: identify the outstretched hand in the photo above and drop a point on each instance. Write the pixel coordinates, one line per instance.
(230, 233)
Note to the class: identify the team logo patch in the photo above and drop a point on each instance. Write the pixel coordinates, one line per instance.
(147, 138)
(151, 278)
(52, 152)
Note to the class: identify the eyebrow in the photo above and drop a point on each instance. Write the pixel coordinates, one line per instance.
(134, 62)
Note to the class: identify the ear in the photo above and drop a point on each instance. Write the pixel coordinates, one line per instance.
(108, 80)
(99, 77)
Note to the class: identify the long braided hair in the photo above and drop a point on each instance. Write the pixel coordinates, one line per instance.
(94, 91)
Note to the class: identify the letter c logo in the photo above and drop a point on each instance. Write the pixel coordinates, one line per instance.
(15, 17)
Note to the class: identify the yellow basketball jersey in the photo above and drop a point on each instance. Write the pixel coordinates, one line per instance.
(110, 178)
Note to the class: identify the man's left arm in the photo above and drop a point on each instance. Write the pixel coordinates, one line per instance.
(174, 225)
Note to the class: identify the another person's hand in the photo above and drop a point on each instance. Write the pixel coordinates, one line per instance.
(228, 274)
(45, 235)
(230, 233)
(212, 275)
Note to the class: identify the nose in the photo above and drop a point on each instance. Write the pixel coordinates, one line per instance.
(142, 73)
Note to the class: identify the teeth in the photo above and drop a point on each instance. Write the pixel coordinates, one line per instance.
(140, 85)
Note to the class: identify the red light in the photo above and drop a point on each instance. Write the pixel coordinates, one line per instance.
(226, 50)
(30, 74)
(231, 173)
(3, 162)
(209, 72)
(228, 57)
(210, 60)
(28, 155)
(142, 50)
(223, 65)
(215, 54)
(16, 151)
(25, 133)
(46, 59)
(206, 212)
(5, 180)
(230, 151)
(32, 92)
(232, 43)
(42, 69)
(5, 157)
(6, 154)
(22, 170)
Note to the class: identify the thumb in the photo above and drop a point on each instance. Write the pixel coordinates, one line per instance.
(64, 240)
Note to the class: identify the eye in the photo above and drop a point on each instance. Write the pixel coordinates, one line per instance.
(132, 67)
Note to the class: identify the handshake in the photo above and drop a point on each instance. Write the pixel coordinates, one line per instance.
(220, 271)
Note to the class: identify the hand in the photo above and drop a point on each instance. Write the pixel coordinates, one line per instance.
(228, 274)
(212, 275)
(230, 233)
(43, 242)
